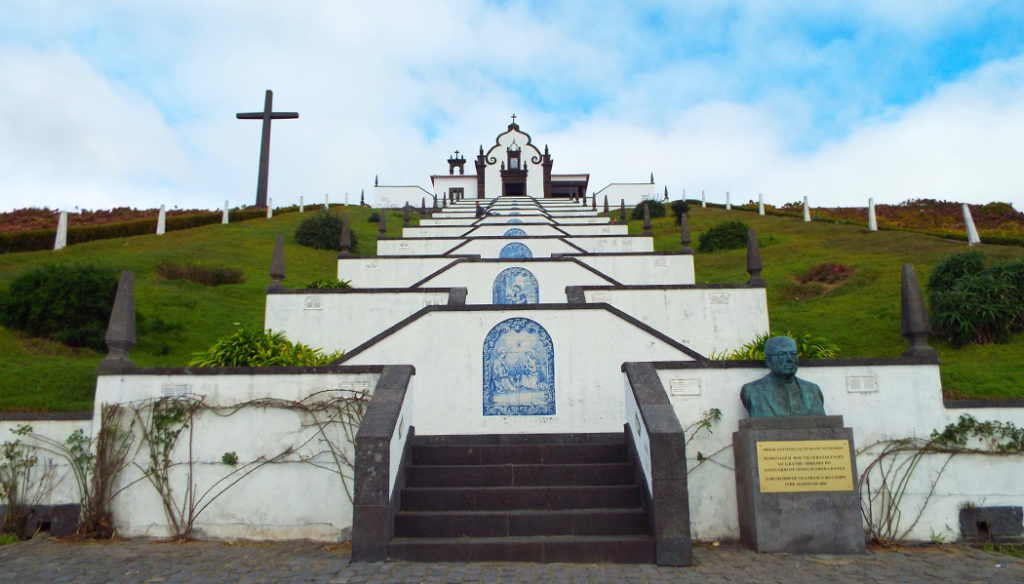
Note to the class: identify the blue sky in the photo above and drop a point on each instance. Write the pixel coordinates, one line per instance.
(132, 103)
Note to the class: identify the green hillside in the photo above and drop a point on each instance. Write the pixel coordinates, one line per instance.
(861, 316)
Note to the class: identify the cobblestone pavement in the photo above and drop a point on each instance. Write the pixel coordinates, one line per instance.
(141, 561)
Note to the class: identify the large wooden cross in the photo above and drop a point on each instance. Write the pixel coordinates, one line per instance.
(266, 115)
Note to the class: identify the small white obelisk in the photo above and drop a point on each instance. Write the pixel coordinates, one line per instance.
(760, 203)
(872, 220)
(270, 208)
(972, 231)
(61, 241)
(807, 211)
(302, 205)
(224, 214)
(161, 221)
(703, 200)
(728, 203)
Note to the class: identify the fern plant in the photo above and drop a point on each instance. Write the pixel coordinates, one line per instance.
(252, 347)
(807, 346)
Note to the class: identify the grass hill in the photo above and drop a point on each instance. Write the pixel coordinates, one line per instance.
(179, 317)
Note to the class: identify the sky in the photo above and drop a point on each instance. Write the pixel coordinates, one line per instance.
(133, 103)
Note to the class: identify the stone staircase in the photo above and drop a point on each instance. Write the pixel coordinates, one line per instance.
(536, 498)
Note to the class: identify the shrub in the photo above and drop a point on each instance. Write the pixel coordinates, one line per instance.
(69, 304)
(952, 269)
(322, 230)
(657, 209)
(727, 235)
(205, 275)
(252, 347)
(373, 217)
(974, 304)
(680, 208)
(328, 284)
(807, 346)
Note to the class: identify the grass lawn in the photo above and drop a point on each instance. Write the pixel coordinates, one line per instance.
(861, 316)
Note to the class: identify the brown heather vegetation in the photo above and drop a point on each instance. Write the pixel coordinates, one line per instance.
(45, 218)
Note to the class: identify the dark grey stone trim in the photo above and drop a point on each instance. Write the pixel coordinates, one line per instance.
(854, 362)
(372, 513)
(525, 307)
(457, 296)
(464, 243)
(574, 295)
(204, 371)
(954, 404)
(308, 291)
(518, 439)
(670, 505)
(743, 286)
(573, 245)
(44, 416)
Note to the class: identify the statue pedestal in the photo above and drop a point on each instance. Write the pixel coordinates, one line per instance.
(796, 485)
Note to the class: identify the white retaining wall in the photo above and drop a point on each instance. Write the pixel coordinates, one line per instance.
(61, 487)
(287, 500)
(643, 269)
(389, 272)
(879, 402)
(397, 196)
(705, 320)
(343, 320)
(449, 398)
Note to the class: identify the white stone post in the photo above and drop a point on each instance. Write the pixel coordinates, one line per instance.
(728, 203)
(224, 214)
(270, 208)
(972, 231)
(760, 203)
(703, 200)
(807, 211)
(161, 221)
(61, 240)
(302, 205)
(872, 221)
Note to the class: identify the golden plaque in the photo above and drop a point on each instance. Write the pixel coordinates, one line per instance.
(796, 466)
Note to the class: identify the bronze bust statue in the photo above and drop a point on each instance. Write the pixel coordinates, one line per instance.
(781, 392)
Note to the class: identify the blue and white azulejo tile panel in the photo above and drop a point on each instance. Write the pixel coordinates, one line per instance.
(515, 232)
(514, 221)
(515, 286)
(515, 250)
(519, 370)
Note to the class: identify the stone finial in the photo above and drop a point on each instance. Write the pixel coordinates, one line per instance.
(684, 234)
(666, 192)
(647, 219)
(362, 197)
(622, 210)
(972, 231)
(652, 177)
(376, 180)
(423, 206)
(61, 240)
(405, 215)
(435, 202)
(344, 239)
(120, 337)
(277, 265)
(754, 265)
(914, 323)
(606, 203)
(593, 202)
(382, 228)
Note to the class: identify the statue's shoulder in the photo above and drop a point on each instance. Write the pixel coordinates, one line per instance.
(759, 383)
(806, 383)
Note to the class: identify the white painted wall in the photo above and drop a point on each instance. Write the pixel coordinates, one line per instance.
(389, 272)
(291, 500)
(552, 278)
(529, 153)
(909, 396)
(705, 320)
(615, 244)
(443, 184)
(644, 269)
(491, 247)
(588, 386)
(343, 320)
(400, 247)
(60, 487)
(397, 196)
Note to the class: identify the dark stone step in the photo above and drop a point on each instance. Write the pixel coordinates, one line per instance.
(497, 498)
(516, 475)
(519, 454)
(521, 523)
(636, 549)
